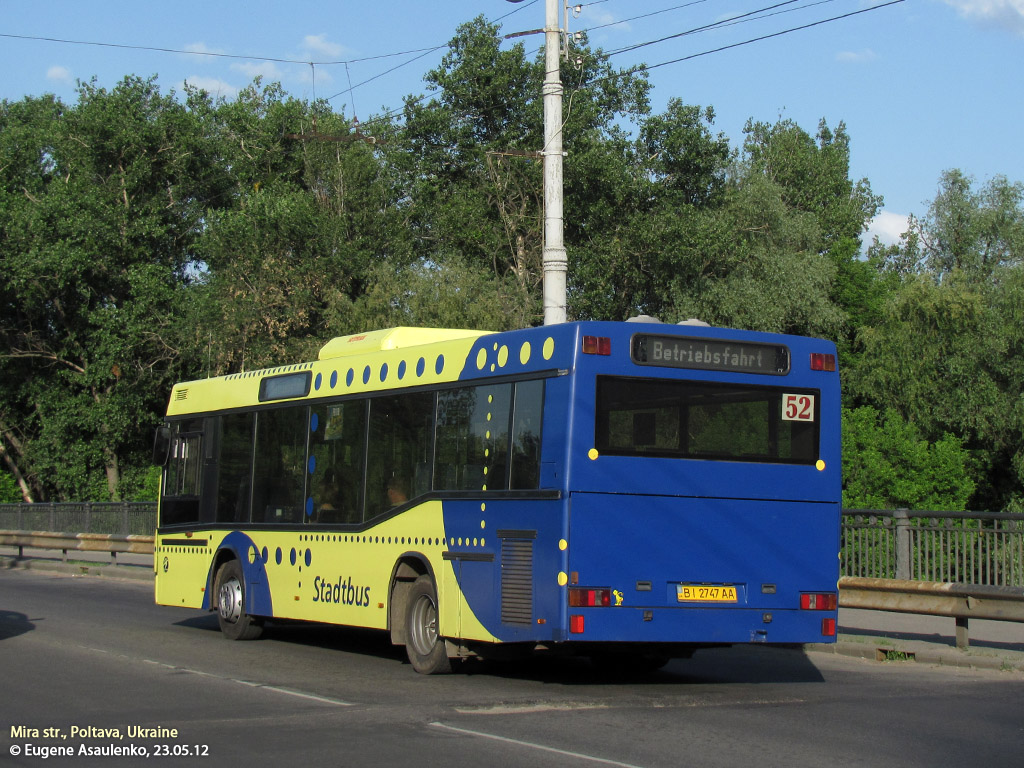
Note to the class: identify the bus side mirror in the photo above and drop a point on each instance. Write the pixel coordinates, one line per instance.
(161, 446)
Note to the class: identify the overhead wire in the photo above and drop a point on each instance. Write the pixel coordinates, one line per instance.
(777, 34)
(217, 54)
(726, 22)
(641, 16)
(646, 67)
(274, 59)
(422, 52)
(732, 21)
(701, 28)
(426, 52)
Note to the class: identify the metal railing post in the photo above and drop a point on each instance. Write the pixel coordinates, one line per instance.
(962, 639)
(901, 521)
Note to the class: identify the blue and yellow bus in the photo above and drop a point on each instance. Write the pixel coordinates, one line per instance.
(630, 491)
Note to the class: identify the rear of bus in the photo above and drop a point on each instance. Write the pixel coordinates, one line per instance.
(704, 488)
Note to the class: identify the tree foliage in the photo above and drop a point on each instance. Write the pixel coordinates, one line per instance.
(97, 214)
(887, 464)
(948, 349)
(148, 237)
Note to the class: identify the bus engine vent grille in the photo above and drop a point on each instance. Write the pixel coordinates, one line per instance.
(181, 394)
(517, 581)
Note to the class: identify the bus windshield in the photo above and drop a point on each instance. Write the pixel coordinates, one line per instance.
(706, 420)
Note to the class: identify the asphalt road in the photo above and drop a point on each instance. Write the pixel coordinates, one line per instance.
(89, 653)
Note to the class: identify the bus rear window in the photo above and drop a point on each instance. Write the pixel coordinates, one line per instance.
(706, 420)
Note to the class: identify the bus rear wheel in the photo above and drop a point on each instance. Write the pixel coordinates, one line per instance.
(235, 623)
(423, 645)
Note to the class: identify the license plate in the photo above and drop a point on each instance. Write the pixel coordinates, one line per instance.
(705, 593)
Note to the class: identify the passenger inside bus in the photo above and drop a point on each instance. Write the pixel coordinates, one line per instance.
(397, 493)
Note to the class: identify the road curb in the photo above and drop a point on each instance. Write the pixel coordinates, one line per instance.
(107, 571)
(887, 650)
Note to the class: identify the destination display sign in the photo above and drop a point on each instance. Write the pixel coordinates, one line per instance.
(285, 386)
(710, 354)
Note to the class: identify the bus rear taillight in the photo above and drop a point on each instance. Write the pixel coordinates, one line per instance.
(822, 361)
(819, 601)
(597, 345)
(585, 597)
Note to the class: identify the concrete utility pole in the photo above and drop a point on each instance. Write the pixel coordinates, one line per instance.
(555, 261)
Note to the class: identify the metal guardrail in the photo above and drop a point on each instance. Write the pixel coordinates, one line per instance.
(962, 602)
(81, 542)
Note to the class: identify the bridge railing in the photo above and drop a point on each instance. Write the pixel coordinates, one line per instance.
(958, 564)
(984, 548)
(124, 518)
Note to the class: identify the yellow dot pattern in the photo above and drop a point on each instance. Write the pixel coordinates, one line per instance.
(524, 353)
(549, 348)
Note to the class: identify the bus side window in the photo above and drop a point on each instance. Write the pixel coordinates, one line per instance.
(280, 471)
(526, 432)
(472, 438)
(183, 474)
(234, 476)
(337, 449)
(400, 438)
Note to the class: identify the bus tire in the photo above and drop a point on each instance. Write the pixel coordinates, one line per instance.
(235, 623)
(423, 645)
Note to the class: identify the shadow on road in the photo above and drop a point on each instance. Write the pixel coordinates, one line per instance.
(367, 642)
(738, 664)
(13, 624)
(747, 664)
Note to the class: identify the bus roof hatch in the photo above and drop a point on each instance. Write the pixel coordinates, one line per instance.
(391, 338)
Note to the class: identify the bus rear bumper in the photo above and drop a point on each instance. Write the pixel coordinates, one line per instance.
(705, 626)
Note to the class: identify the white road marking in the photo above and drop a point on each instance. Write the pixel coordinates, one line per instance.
(531, 745)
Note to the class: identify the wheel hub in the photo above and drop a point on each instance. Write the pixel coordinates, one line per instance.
(229, 600)
(424, 629)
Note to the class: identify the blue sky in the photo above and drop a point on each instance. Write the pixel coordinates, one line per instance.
(922, 85)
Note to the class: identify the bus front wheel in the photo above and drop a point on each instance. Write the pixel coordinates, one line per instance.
(235, 623)
(424, 646)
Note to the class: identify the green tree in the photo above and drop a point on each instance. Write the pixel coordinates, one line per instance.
(97, 207)
(972, 231)
(812, 174)
(947, 357)
(948, 350)
(887, 464)
(643, 223)
(767, 239)
(10, 493)
(312, 208)
(476, 192)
